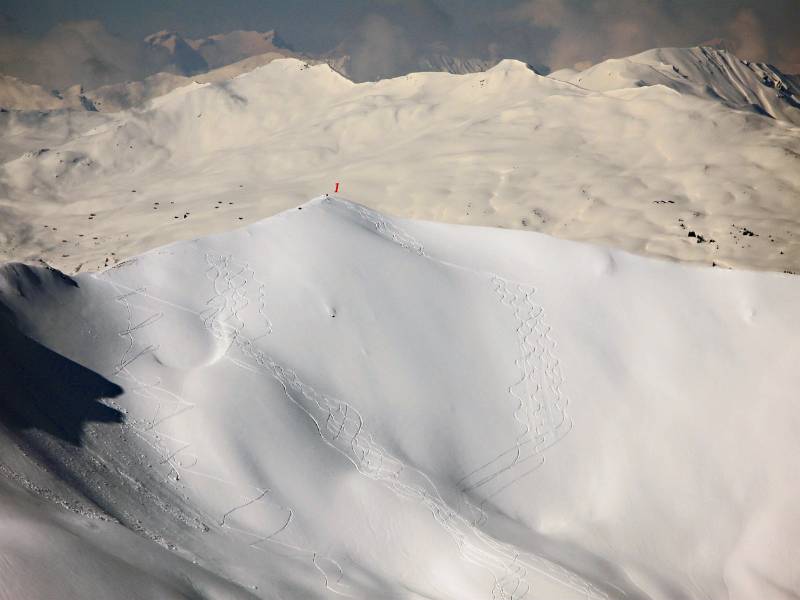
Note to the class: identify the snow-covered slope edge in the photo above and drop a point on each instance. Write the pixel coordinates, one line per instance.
(49, 552)
(332, 401)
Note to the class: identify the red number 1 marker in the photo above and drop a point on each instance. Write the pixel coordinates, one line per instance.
(337, 187)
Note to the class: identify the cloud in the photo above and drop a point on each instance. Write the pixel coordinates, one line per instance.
(543, 13)
(591, 31)
(791, 60)
(74, 52)
(746, 34)
(390, 37)
(570, 33)
(379, 49)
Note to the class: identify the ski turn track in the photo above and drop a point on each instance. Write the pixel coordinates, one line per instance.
(540, 405)
(222, 320)
(341, 426)
(541, 414)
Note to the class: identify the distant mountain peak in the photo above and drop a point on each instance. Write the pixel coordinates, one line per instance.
(185, 59)
(719, 44)
(164, 38)
(226, 48)
(276, 40)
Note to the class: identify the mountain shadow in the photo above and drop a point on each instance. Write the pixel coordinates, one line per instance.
(42, 390)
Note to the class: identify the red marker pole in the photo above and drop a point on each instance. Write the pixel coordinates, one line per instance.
(337, 188)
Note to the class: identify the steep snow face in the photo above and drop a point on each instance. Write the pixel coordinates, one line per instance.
(647, 169)
(705, 72)
(454, 64)
(335, 402)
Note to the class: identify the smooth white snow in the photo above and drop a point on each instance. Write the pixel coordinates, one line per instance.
(332, 402)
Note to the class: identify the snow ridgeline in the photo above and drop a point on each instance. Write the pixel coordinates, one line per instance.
(703, 71)
(332, 402)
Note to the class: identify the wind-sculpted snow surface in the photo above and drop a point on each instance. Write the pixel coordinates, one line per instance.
(333, 402)
(687, 164)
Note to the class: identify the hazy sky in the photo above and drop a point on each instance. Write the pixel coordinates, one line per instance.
(40, 39)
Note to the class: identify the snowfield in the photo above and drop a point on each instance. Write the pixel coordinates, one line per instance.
(684, 154)
(334, 402)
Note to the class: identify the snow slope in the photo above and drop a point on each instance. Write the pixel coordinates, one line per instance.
(649, 169)
(704, 72)
(332, 402)
(51, 553)
(23, 132)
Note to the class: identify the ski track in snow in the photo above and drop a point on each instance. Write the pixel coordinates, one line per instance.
(384, 228)
(540, 413)
(541, 406)
(146, 429)
(223, 321)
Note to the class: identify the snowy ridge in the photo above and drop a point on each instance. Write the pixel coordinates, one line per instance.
(342, 403)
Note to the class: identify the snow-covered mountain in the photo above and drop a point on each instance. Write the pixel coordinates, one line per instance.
(136, 94)
(341, 62)
(704, 72)
(333, 402)
(185, 59)
(193, 56)
(648, 169)
(175, 60)
(16, 94)
(226, 48)
(358, 61)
